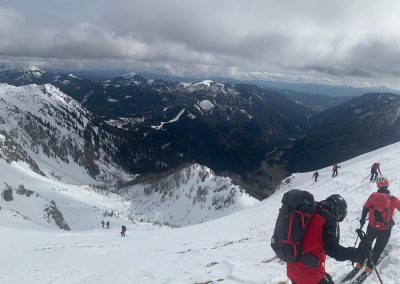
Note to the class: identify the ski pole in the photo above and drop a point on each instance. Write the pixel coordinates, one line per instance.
(366, 177)
(355, 241)
(375, 268)
(358, 235)
(361, 234)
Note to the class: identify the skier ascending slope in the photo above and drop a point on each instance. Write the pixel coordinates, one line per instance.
(315, 176)
(374, 171)
(380, 206)
(335, 168)
(123, 230)
(312, 233)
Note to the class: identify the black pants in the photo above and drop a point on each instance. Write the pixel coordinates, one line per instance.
(123, 234)
(374, 175)
(382, 238)
(326, 280)
(335, 173)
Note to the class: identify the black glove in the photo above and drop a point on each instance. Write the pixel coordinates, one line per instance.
(362, 222)
(355, 255)
(363, 251)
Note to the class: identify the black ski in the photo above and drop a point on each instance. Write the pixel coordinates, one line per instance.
(350, 275)
(360, 279)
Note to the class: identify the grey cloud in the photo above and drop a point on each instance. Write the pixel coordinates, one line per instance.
(308, 38)
(380, 55)
(337, 71)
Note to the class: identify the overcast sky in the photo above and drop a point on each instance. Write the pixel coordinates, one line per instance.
(353, 42)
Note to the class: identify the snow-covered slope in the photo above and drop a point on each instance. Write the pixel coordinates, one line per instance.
(191, 195)
(31, 200)
(232, 249)
(54, 134)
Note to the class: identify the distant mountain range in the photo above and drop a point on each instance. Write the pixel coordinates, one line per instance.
(254, 135)
(359, 125)
(297, 87)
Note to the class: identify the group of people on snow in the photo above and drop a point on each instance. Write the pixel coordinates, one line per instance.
(123, 229)
(105, 224)
(375, 169)
(306, 259)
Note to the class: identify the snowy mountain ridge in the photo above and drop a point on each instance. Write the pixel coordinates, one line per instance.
(55, 132)
(21, 72)
(191, 195)
(47, 134)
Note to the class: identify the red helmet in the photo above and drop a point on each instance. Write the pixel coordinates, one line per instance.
(382, 182)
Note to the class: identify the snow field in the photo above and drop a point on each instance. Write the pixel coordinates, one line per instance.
(231, 249)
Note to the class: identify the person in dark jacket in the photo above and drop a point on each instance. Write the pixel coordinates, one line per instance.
(321, 239)
(123, 230)
(315, 176)
(108, 224)
(380, 224)
(376, 167)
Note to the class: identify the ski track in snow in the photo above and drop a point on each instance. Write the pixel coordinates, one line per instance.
(234, 248)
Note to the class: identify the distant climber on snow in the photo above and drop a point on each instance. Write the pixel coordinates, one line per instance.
(102, 223)
(123, 230)
(315, 176)
(335, 168)
(108, 224)
(380, 208)
(305, 232)
(374, 171)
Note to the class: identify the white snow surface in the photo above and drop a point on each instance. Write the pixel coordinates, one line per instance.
(175, 119)
(234, 248)
(206, 105)
(111, 100)
(204, 82)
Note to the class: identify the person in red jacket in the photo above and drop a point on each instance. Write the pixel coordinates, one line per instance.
(380, 206)
(335, 168)
(374, 171)
(321, 239)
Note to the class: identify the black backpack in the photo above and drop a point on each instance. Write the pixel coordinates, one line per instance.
(294, 216)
